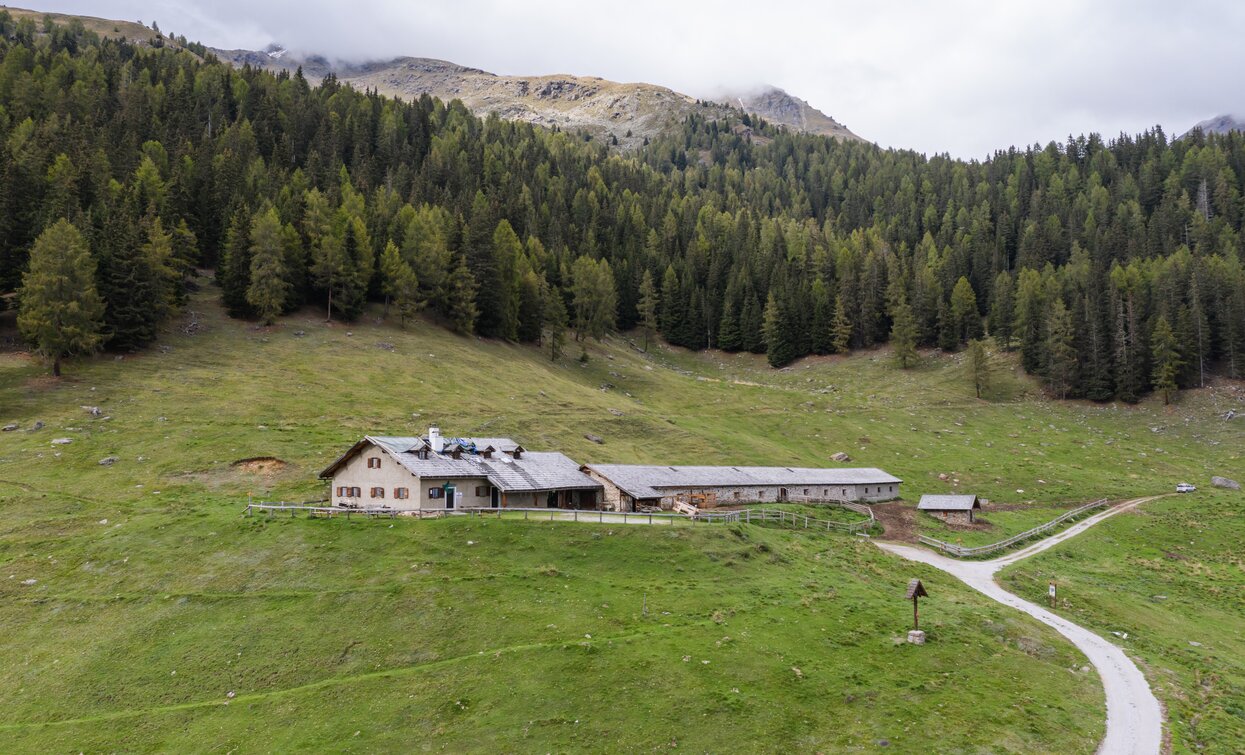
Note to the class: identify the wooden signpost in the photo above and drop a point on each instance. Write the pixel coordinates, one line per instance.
(916, 591)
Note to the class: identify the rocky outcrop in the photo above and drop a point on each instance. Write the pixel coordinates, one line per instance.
(1224, 482)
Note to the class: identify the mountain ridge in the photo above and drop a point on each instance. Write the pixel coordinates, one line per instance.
(623, 112)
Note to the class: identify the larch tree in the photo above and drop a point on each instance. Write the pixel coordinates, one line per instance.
(978, 367)
(399, 283)
(269, 286)
(60, 311)
(556, 317)
(594, 299)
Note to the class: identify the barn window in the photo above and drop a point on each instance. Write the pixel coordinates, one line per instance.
(805, 491)
(892, 490)
(378, 492)
(760, 494)
(737, 494)
(401, 493)
(435, 492)
(844, 492)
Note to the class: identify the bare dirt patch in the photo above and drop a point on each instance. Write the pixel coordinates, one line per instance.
(261, 465)
(898, 520)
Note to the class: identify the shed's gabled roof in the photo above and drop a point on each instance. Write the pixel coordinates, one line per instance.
(948, 503)
(534, 471)
(644, 481)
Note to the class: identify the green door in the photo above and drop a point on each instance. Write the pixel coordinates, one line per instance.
(449, 496)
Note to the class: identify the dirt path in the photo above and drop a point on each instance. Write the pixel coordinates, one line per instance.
(1134, 717)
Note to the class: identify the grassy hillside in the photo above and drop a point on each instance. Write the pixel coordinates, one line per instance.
(137, 598)
(1170, 575)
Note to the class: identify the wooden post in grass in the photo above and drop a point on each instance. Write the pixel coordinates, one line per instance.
(1051, 593)
(916, 591)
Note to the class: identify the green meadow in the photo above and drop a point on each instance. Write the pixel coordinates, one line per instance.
(144, 612)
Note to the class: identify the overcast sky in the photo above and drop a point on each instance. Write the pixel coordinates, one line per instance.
(958, 76)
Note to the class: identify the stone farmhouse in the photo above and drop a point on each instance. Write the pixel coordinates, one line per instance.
(952, 509)
(410, 474)
(438, 473)
(629, 486)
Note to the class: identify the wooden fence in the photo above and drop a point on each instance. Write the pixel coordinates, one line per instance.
(317, 511)
(748, 516)
(960, 551)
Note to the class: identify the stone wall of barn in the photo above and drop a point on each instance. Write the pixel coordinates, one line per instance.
(727, 495)
(953, 517)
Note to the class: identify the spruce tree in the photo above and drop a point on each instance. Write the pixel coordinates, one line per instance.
(779, 348)
(60, 313)
(646, 308)
(729, 337)
(752, 325)
(461, 298)
(1002, 310)
(964, 314)
(555, 315)
(821, 326)
(1167, 361)
(903, 335)
(234, 275)
(269, 287)
(841, 328)
(1061, 363)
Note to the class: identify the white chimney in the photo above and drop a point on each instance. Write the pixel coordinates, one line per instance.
(434, 439)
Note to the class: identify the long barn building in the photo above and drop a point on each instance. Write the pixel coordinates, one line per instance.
(629, 486)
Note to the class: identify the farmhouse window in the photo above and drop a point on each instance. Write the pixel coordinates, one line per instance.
(482, 491)
(378, 492)
(373, 462)
(401, 493)
(341, 490)
(353, 492)
(435, 492)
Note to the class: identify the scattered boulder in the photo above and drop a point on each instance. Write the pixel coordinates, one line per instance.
(300, 333)
(108, 461)
(38, 425)
(943, 476)
(94, 411)
(840, 456)
(615, 412)
(1224, 482)
(61, 441)
(9, 427)
(385, 346)
(594, 438)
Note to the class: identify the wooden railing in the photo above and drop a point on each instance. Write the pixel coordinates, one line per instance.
(960, 551)
(314, 511)
(750, 516)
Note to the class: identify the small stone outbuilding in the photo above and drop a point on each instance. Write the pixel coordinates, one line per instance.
(952, 509)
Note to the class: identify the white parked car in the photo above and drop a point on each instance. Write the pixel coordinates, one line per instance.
(1185, 487)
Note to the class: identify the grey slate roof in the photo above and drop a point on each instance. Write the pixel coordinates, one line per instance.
(642, 481)
(534, 471)
(948, 503)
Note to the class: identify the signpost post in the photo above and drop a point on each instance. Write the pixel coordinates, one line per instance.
(916, 590)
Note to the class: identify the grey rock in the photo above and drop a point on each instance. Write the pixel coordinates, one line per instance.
(9, 427)
(108, 461)
(840, 456)
(1224, 482)
(385, 346)
(38, 425)
(300, 333)
(94, 411)
(594, 438)
(61, 441)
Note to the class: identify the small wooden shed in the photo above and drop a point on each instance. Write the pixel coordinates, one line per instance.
(952, 509)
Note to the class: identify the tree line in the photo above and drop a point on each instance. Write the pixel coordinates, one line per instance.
(1113, 267)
